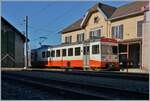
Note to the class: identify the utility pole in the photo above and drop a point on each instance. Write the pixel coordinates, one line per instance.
(26, 33)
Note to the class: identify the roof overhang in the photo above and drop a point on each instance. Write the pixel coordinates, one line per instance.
(88, 13)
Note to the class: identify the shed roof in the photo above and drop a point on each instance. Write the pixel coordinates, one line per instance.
(15, 29)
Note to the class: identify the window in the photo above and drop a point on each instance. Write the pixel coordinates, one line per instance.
(117, 32)
(96, 20)
(52, 53)
(43, 54)
(57, 53)
(95, 49)
(86, 50)
(95, 34)
(139, 28)
(77, 51)
(63, 52)
(106, 49)
(48, 53)
(68, 39)
(80, 37)
(70, 51)
(115, 49)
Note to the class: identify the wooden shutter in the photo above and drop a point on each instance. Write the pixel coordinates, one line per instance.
(83, 37)
(90, 34)
(139, 28)
(113, 31)
(121, 31)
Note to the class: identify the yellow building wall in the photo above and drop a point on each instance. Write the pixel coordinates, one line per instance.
(129, 26)
(73, 34)
(101, 24)
(104, 24)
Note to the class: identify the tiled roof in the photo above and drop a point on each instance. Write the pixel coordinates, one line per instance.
(74, 26)
(107, 10)
(110, 12)
(131, 8)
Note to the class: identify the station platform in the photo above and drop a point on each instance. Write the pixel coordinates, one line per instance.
(53, 69)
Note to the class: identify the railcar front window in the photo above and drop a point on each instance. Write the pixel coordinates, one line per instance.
(106, 49)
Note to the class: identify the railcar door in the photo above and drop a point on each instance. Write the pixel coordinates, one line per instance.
(86, 56)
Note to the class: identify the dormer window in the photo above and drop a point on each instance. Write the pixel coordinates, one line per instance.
(96, 19)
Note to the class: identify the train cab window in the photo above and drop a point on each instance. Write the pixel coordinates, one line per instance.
(114, 49)
(52, 53)
(70, 51)
(77, 51)
(43, 54)
(57, 53)
(48, 53)
(95, 49)
(63, 52)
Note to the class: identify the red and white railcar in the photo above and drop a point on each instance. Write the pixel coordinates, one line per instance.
(100, 53)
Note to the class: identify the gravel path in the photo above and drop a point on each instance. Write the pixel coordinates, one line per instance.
(12, 90)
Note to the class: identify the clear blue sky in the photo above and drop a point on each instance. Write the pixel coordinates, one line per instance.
(47, 18)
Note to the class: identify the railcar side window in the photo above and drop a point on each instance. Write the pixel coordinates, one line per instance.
(52, 53)
(43, 54)
(63, 52)
(77, 51)
(57, 53)
(70, 51)
(48, 53)
(95, 49)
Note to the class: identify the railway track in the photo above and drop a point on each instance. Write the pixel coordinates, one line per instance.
(110, 74)
(75, 90)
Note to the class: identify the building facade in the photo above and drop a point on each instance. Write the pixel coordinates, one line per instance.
(124, 23)
(12, 45)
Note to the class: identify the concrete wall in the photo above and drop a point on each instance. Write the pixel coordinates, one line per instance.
(146, 43)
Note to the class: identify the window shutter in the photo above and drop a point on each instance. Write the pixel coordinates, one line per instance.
(121, 31)
(83, 37)
(90, 34)
(113, 32)
(99, 32)
(139, 28)
(77, 37)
